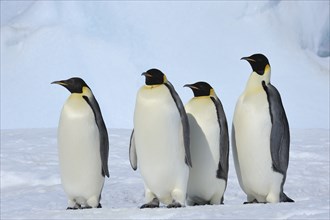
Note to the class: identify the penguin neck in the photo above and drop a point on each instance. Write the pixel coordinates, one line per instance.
(254, 83)
(152, 86)
(85, 92)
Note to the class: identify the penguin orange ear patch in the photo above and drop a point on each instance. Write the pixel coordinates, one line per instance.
(267, 68)
(164, 79)
(212, 93)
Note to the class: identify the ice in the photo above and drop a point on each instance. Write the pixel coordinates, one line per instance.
(109, 45)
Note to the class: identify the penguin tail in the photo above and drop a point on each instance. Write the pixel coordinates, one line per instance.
(285, 198)
(105, 173)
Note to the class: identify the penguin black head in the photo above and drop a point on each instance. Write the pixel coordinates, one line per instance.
(154, 77)
(201, 89)
(258, 62)
(74, 85)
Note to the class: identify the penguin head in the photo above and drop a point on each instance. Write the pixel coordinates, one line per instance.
(154, 77)
(74, 85)
(201, 89)
(259, 63)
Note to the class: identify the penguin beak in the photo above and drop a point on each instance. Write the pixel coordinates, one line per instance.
(248, 59)
(61, 82)
(146, 74)
(191, 86)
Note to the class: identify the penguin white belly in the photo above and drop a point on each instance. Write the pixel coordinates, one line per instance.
(159, 142)
(204, 146)
(79, 151)
(252, 125)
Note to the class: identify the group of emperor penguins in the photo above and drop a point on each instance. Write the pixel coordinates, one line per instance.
(181, 151)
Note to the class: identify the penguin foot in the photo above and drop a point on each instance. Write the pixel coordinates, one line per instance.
(87, 207)
(72, 208)
(153, 204)
(149, 206)
(75, 207)
(251, 202)
(174, 204)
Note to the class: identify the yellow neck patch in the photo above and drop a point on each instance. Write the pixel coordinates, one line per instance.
(86, 91)
(151, 86)
(267, 69)
(164, 79)
(212, 93)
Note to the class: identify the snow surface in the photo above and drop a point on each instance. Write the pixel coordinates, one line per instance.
(31, 189)
(110, 43)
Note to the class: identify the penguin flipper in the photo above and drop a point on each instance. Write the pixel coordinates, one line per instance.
(280, 134)
(132, 152)
(184, 121)
(104, 140)
(222, 172)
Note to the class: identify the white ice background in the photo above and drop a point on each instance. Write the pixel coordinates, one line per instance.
(109, 44)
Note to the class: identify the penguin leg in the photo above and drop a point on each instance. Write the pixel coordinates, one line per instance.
(152, 200)
(175, 204)
(274, 193)
(72, 205)
(179, 199)
(191, 202)
(89, 207)
(254, 201)
(216, 199)
(153, 204)
(250, 200)
(93, 202)
(272, 198)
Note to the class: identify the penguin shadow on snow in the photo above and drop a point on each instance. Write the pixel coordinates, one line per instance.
(202, 150)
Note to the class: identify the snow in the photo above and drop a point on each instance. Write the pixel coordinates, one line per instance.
(110, 43)
(31, 189)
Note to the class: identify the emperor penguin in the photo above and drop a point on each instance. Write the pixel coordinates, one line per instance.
(209, 145)
(83, 146)
(261, 137)
(159, 143)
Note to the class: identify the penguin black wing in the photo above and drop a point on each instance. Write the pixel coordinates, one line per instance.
(104, 141)
(280, 134)
(132, 152)
(222, 172)
(184, 121)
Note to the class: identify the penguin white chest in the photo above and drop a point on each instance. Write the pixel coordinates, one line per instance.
(205, 133)
(159, 141)
(252, 124)
(205, 152)
(79, 150)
